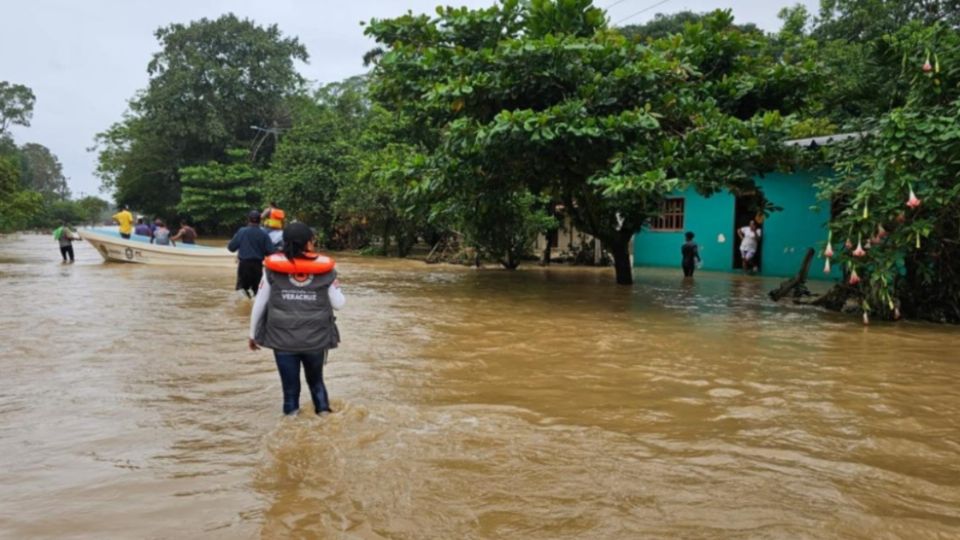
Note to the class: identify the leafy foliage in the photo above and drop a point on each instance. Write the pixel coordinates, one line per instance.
(319, 153)
(509, 104)
(911, 252)
(16, 105)
(210, 83)
(219, 195)
(42, 172)
(665, 25)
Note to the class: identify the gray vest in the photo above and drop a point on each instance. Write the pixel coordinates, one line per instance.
(299, 317)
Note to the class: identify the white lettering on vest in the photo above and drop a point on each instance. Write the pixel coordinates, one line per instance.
(299, 296)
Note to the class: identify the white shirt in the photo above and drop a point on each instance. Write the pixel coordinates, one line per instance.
(337, 301)
(750, 237)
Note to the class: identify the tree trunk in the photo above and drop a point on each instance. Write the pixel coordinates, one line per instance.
(796, 283)
(620, 248)
(404, 243)
(385, 250)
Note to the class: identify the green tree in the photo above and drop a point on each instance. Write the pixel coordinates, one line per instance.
(664, 25)
(319, 152)
(219, 195)
(210, 83)
(384, 197)
(9, 177)
(582, 116)
(16, 105)
(869, 20)
(92, 209)
(899, 186)
(17, 206)
(42, 172)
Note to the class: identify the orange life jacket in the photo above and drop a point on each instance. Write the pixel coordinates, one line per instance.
(308, 263)
(274, 219)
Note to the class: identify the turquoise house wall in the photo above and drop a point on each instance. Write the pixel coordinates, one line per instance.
(786, 234)
(801, 224)
(708, 218)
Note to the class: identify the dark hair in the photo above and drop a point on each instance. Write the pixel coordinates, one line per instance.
(689, 236)
(140, 221)
(296, 236)
(294, 249)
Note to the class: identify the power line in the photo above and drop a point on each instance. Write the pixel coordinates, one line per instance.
(617, 3)
(644, 10)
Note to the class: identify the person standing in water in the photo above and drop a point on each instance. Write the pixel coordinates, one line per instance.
(293, 315)
(273, 221)
(65, 236)
(749, 243)
(691, 255)
(252, 245)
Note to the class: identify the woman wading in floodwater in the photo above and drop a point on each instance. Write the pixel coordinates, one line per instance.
(293, 315)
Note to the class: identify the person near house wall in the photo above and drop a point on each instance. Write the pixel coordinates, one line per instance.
(690, 252)
(749, 243)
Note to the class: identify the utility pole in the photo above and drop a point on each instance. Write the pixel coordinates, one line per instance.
(275, 131)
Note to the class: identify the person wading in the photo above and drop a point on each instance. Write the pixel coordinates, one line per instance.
(65, 236)
(272, 219)
(690, 253)
(293, 315)
(252, 245)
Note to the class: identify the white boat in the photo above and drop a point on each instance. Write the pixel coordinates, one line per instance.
(138, 249)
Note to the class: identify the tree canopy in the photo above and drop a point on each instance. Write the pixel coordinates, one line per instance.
(505, 104)
(211, 85)
(16, 105)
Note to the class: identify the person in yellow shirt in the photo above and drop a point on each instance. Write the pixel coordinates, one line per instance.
(125, 219)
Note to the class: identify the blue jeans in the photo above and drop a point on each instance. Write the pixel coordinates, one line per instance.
(288, 363)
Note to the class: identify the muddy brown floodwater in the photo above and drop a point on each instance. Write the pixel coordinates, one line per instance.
(538, 404)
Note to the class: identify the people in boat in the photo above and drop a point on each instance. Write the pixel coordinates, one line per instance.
(273, 221)
(690, 253)
(65, 236)
(252, 245)
(749, 243)
(142, 229)
(161, 234)
(185, 234)
(125, 219)
(293, 315)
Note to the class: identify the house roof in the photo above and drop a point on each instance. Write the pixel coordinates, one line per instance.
(813, 142)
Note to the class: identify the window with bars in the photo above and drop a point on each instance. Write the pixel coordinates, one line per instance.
(671, 216)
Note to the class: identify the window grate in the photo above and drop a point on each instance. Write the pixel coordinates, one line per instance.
(671, 216)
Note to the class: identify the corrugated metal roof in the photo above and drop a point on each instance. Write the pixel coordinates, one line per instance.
(826, 139)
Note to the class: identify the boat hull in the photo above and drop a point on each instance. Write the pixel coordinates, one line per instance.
(112, 247)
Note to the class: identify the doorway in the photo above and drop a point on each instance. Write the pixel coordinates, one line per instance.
(745, 209)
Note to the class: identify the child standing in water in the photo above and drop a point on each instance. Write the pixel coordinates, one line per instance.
(691, 255)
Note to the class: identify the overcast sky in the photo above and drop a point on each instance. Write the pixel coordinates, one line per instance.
(85, 59)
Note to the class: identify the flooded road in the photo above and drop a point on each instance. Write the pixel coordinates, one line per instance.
(470, 404)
